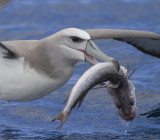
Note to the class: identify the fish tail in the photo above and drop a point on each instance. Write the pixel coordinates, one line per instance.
(63, 116)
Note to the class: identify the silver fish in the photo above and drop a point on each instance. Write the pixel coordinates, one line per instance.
(119, 87)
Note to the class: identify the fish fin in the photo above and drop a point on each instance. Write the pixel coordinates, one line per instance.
(132, 72)
(63, 116)
(127, 67)
(66, 99)
(79, 103)
(129, 75)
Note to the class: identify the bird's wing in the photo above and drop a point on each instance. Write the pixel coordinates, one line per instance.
(18, 48)
(3, 2)
(147, 42)
(6, 52)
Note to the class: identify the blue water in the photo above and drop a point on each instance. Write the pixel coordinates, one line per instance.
(97, 118)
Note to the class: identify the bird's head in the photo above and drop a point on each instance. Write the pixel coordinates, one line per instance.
(77, 45)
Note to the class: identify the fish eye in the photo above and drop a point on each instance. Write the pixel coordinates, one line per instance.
(76, 39)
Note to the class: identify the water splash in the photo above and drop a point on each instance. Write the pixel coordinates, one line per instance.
(125, 126)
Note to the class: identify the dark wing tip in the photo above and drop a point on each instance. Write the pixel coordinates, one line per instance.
(154, 50)
(10, 54)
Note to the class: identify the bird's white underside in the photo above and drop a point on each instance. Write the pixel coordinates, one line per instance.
(18, 82)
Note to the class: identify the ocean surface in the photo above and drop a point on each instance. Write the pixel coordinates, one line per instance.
(97, 118)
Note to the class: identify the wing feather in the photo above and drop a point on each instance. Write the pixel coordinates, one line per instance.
(5, 52)
(147, 42)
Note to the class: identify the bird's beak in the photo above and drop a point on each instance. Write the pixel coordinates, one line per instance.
(93, 51)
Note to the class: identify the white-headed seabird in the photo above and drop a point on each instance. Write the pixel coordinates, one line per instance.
(31, 69)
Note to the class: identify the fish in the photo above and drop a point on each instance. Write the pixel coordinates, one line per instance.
(119, 87)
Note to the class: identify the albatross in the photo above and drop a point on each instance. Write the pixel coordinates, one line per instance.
(31, 69)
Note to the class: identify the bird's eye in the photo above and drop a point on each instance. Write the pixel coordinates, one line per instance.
(132, 102)
(76, 39)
